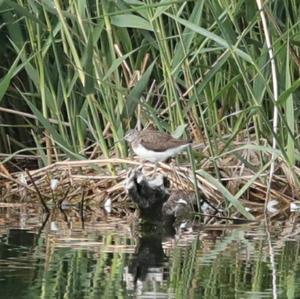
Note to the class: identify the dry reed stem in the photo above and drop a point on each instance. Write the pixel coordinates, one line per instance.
(275, 93)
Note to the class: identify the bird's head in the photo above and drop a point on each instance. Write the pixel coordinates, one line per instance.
(131, 135)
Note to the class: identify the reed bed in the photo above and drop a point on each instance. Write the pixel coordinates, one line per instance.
(241, 191)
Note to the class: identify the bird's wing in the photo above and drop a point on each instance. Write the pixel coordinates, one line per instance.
(159, 142)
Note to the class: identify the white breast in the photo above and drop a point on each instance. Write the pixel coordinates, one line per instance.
(153, 156)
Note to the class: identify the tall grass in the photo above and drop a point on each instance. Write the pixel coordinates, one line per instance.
(84, 69)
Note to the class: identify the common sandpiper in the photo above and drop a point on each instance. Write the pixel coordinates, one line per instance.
(154, 146)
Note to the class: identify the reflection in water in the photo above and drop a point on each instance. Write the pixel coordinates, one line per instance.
(107, 259)
(148, 266)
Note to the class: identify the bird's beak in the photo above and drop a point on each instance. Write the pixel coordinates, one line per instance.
(120, 140)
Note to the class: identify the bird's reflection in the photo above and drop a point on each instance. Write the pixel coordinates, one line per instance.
(148, 266)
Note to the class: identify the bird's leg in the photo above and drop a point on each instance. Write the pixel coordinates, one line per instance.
(154, 171)
(155, 168)
(141, 166)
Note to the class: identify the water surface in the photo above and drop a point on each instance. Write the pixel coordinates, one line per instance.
(110, 257)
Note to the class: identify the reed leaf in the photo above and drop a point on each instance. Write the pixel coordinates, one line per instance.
(228, 196)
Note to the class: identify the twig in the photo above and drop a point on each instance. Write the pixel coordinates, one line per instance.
(81, 208)
(275, 93)
(23, 157)
(43, 225)
(224, 217)
(63, 198)
(38, 192)
(19, 183)
(65, 217)
(272, 260)
(28, 115)
(194, 177)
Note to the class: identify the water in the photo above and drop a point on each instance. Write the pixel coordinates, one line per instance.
(110, 257)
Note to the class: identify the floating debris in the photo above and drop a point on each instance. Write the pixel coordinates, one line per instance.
(107, 205)
(53, 184)
(271, 206)
(295, 206)
(53, 226)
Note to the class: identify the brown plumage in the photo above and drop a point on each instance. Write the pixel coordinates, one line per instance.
(155, 146)
(158, 142)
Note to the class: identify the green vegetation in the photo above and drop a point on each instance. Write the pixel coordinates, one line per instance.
(76, 75)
